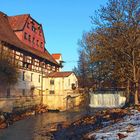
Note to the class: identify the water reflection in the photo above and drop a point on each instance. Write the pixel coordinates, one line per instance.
(35, 127)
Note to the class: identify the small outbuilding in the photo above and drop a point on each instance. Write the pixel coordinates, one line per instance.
(62, 92)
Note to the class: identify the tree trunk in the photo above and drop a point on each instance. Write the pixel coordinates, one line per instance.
(135, 80)
(128, 93)
(136, 101)
(8, 91)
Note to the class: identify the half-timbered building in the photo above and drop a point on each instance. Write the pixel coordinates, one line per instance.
(23, 39)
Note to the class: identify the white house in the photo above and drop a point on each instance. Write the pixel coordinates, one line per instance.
(62, 90)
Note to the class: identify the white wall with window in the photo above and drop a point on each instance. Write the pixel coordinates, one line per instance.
(60, 85)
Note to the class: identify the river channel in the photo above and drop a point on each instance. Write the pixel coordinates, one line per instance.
(29, 128)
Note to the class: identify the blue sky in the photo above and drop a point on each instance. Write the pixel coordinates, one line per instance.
(64, 22)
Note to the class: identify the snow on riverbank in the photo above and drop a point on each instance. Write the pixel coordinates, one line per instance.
(127, 129)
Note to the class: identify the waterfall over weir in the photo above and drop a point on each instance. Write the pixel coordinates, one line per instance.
(107, 99)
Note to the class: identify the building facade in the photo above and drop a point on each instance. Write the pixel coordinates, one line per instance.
(22, 39)
(33, 62)
(62, 90)
(28, 30)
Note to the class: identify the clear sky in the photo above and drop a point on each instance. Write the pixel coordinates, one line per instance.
(64, 22)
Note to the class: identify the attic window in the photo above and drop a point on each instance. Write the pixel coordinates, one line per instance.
(28, 25)
(31, 21)
(39, 27)
(40, 33)
(25, 35)
(29, 38)
(33, 29)
(37, 43)
(33, 41)
(41, 44)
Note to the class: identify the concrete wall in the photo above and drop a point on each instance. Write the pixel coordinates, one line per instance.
(55, 102)
(62, 102)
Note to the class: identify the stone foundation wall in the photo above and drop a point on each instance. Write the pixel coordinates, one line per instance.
(18, 103)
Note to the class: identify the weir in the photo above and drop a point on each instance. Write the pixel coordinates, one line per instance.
(107, 99)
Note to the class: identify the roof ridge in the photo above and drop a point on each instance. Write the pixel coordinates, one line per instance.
(60, 74)
(20, 15)
(3, 13)
(56, 53)
(7, 35)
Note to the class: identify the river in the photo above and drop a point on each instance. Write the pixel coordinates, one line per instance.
(29, 128)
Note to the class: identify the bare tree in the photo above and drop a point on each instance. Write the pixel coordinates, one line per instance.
(117, 41)
(8, 73)
(111, 51)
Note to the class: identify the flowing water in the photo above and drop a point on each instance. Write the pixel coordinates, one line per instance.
(107, 99)
(30, 128)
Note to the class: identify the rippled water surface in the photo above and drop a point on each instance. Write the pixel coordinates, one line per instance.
(30, 128)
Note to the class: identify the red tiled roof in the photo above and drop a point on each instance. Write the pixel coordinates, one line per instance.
(60, 74)
(7, 35)
(56, 56)
(18, 22)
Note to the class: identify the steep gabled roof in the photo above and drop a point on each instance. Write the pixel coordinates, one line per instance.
(6, 32)
(18, 22)
(56, 55)
(60, 74)
(7, 35)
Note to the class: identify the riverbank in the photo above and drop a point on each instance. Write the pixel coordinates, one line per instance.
(33, 127)
(99, 124)
(128, 129)
(88, 128)
(7, 119)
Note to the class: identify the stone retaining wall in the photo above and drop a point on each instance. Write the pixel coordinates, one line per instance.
(18, 103)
